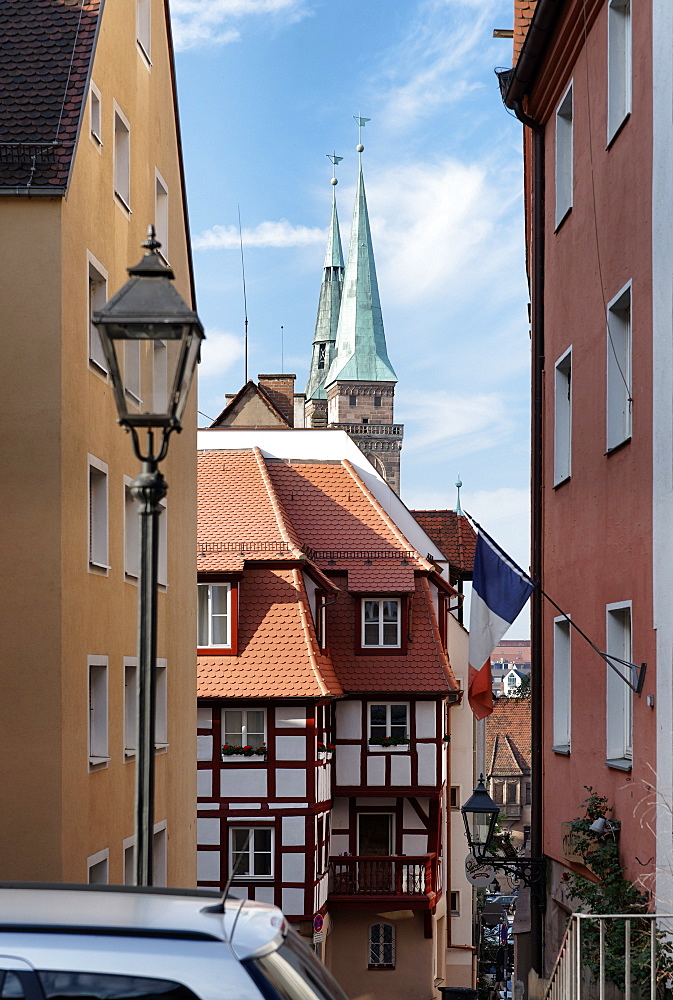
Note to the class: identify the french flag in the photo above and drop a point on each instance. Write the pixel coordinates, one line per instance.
(499, 591)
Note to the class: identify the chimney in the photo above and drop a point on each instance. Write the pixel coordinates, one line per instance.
(280, 390)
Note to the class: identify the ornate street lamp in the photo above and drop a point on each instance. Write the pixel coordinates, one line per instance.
(149, 321)
(480, 815)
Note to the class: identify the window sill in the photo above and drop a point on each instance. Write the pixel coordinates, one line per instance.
(617, 131)
(98, 368)
(215, 651)
(99, 569)
(563, 749)
(144, 53)
(617, 447)
(98, 761)
(241, 758)
(380, 650)
(562, 482)
(620, 763)
(122, 203)
(375, 748)
(563, 218)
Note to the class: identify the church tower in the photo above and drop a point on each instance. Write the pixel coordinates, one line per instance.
(360, 383)
(324, 337)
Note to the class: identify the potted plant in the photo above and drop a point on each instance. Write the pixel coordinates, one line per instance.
(231, 750)
(326, 749)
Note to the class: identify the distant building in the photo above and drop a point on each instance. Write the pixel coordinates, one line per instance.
(508, 745)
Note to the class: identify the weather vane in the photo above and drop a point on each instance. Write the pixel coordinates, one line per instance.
(361, 123)
(334, 160)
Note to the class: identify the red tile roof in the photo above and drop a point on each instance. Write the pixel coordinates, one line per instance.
(46, 50)
(319, 515)
(454, 535)
(508, 737)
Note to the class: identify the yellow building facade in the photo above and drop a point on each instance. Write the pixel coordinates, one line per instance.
(89, 156)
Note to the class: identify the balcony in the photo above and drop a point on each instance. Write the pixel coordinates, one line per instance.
(400, 881)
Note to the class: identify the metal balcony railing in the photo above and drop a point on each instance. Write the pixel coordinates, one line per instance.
(360, 875)
(612, 955)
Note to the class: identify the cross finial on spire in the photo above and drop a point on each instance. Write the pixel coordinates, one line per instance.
(458, 509)
(361, 123)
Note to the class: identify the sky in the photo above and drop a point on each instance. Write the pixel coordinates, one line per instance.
(267, 88)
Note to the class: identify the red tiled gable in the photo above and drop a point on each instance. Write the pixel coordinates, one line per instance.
(278, 656)
(46, 49)
(367, 579)
(508, 736)
(454, 535)
(523, 15)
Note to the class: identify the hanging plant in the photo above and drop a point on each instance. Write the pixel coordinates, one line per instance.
(230, 750)
(388, 741)
(326, 748)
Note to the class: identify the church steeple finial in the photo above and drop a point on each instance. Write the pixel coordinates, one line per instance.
(327, 319)
(360, 352)
(458, 509)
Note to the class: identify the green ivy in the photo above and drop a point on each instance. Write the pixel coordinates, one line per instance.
(613, 893)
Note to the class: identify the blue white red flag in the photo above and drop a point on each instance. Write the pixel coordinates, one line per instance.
(499, 591)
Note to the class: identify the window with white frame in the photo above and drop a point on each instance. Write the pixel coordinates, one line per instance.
(132, 382)
(619, 64)
(562, 686)
(455, 904)
(159, 854)
(97, 868)
(130, 706)
(619, 721)
(98, 713)
(562, 417)
(144, 26)
(619, 369)
(162, 555)
(564, 156)
(251, 852)
(161, 705)
(131, 532)
(97, 298)
(161, 213)
(244, 727)
(159, 376)
(98, 513)
(122, 158)
(381, 946)
(213, 614)
(381, 624)
(95, 114)
(389, 721)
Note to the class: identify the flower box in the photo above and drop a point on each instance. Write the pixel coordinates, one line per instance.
(230, 750)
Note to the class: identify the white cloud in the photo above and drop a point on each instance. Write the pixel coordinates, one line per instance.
(220, 351)
(266, 234)
(206, 22)
(465, 423)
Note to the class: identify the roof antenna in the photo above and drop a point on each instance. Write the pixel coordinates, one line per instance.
(245, 300)
(282, 363)
(458, 509)
(220, 907)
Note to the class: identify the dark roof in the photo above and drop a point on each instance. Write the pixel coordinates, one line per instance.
(46, 49)
(454, 535)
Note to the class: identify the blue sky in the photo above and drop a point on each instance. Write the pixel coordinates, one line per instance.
(267, 88)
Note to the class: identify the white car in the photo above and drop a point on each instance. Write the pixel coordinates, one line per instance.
(118, 943)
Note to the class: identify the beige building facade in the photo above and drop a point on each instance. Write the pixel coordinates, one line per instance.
(77, 192)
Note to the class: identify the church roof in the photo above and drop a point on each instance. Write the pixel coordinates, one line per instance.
(360, 354)
(329, 303)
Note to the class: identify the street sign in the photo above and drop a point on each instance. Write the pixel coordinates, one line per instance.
(478, 872)
(318, 922)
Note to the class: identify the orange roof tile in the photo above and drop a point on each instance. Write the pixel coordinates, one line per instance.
(454, 535)
(508, 736)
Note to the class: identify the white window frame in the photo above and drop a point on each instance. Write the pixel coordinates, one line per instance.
(251, 852)
(130, 706)
(131, 533)
(562, 685)
(619, 348)
(159, 376)
(162, 554)
(619, 696)
(133, 364)
(455, 910)
(159, 856)
(563, 408)
(619, 65)
(232, 707)
(98, 863)
(97, 711)
(564, 155)
(371, 945)
(98, 541)
(97, 279)
(144, 28)
(388, 705)
(210, 644)
(128, 849)
(161, 216)
(122, 158)
(161, 704)
(95, 116)
(381, 601)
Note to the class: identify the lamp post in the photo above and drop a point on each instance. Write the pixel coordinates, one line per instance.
(148, 322)
(480, 815)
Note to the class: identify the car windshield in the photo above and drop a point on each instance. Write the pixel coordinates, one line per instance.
(293, 973)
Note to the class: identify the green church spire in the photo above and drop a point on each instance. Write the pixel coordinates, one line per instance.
(328, 305)
(360, 354)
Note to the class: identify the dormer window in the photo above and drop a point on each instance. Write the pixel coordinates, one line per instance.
(214, 615)
(381, 623)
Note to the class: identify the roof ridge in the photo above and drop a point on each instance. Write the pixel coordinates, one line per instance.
(299, 584)
(378, 507)
(275, 505)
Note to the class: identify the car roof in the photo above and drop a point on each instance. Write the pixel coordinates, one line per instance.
(140, 912)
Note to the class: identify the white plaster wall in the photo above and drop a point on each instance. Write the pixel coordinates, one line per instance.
(338, 843)
(290, 717)
(293, 901)
(376, 771)
(411, 818)
(204, 784)
(208, 831)
(293, 831)
(246, 781)
(264, 893)
(290, 782)
(400, 770)
(340, 814)
(426, 721)
(293, 868)
(348, 765)
(349, 720)
(208, 866)
(290, 748)
(204, 747)
(204, 718)
(427, 763)
(414, 843)
(247, 806)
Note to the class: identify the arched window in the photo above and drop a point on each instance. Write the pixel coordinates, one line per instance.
(381, 946)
